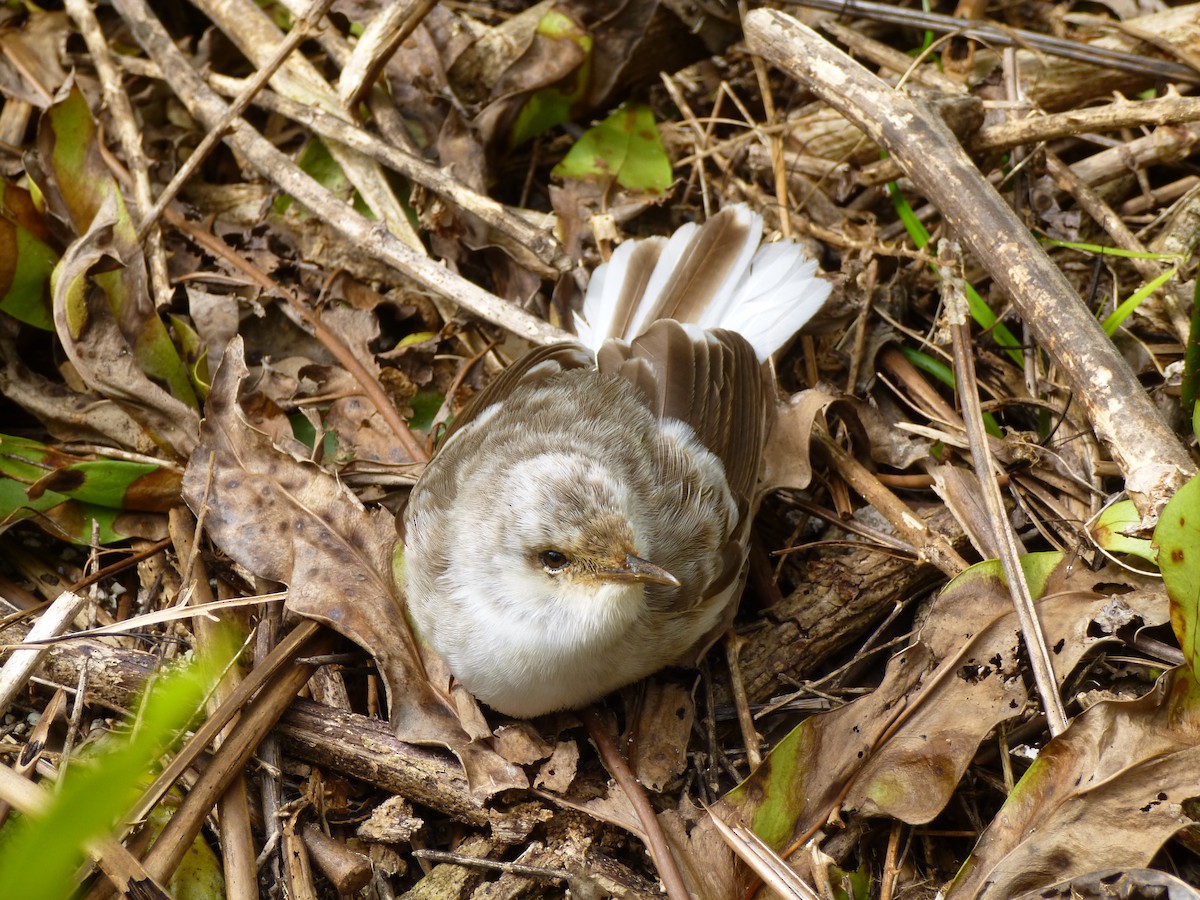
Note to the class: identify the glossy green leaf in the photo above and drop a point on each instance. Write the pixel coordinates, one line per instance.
(77, 497)
(194, 351)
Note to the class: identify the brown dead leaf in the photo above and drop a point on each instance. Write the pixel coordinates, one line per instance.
(1109, 791)
(286, 519)
(973, 632)
(31, 68)
(520, 743)
(662, 731)
(1135, 884)
(557, 773)
(711, 869)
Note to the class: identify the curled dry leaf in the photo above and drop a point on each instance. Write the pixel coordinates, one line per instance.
(66, 414)
(1108, 791)
(961, 677)
(286, 519)
(93, 340)
(787, 456)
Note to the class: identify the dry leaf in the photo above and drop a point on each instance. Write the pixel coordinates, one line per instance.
(1108, 791)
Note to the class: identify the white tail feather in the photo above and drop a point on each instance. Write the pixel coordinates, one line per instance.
(769, 293)
(594, 324)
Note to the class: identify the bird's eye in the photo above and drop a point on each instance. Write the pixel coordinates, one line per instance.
(553, 560)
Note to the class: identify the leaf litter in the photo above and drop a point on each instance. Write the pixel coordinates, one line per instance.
(931, 766)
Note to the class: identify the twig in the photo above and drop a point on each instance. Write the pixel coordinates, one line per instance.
(763, 860)
(336, 346)
(954, 299)
(216, 132)
(255, 720)
(380, 39)
(130, 140)
(1149, 269)
(372, 237)
(656, 841)
(1154, 461)
(997, 36)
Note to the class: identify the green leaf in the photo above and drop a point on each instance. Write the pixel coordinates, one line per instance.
(76, 497)
(1121, 253)
(425, 405)
(1191, 364)
(26, 260)
(552, 105)
(1125, 310)
(1178, 540)
(42, 853)
(1111, 532)
(627, 147)
(316, 160)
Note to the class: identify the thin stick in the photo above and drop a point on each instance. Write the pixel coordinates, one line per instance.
(955, 301)
(656, 841)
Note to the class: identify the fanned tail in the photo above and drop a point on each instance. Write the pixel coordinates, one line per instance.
(714, 275)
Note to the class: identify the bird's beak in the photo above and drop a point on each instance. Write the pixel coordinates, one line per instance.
(639, 571)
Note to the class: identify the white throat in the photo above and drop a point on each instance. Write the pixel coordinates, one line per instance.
(519, 647)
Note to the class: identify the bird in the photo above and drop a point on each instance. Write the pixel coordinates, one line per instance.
(585, 521)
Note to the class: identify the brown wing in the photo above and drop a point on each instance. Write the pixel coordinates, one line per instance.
(538, 364)
(709, 379)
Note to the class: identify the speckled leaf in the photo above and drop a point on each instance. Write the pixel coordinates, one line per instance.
(901, 750)
(1178, 540)
(286, 519)
(1107, 792)
(626, 147)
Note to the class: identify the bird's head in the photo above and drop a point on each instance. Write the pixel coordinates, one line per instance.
(563, 535)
